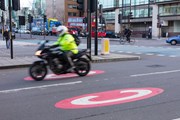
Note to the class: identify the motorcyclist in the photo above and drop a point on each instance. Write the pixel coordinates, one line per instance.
(66, 43)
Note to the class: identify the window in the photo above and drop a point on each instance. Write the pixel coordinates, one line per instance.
(71, 6)
(72, 14)
(173, 9)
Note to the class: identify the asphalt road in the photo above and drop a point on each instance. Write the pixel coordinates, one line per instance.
(30, 100)
(146, 89)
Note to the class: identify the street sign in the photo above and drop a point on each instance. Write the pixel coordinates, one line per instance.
(108, 98)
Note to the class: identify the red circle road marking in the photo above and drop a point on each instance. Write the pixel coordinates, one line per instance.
(68, 75)
(108, 98)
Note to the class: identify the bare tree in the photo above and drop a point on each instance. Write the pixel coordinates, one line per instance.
(60, 14)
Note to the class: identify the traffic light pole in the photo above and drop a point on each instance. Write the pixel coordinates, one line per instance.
(2, 24)
(10, 26)
(89, 25)
(44, 17)
(30, 29)
(96, 32)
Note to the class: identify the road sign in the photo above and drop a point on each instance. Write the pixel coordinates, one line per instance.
(108, 98)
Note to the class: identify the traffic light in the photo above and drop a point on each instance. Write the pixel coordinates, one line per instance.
(81, 5)
(93, 5)
(102, 20)
(30, 18)
(85, 20)
(21, 20)
(16, 5)
(2, 19)
(130, 15)
(45, 18)
(119, 18)
(100, 8)
(2, 4)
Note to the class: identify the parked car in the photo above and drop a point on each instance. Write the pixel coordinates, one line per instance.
(173, 40)
(39, 31)
(74, 32)
(100, 34)
(24, 31)
(36, 31)
(111, 34)
(54, 31)
(83, 34)
(77, 29)
(15, 30)
(46, 32)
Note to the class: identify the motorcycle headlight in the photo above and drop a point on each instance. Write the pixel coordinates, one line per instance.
(38, 53)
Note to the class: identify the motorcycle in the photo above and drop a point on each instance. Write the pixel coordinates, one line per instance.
(53, 59)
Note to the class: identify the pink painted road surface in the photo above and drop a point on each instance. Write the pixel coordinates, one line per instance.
(69, 75)
(108, 98)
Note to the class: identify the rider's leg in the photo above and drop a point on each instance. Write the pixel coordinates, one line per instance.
(68, 58)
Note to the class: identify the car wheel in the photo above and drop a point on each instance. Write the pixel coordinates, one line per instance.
(173, 42)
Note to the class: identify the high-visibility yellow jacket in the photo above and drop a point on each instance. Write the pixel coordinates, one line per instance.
(67, 43)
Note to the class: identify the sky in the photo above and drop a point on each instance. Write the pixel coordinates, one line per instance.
(26, 3)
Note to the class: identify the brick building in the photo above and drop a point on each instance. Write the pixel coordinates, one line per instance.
(62, 9)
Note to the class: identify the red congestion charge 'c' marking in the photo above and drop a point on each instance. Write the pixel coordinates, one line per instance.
(108, 98)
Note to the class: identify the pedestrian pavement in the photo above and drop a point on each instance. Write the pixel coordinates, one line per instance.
(6, 62)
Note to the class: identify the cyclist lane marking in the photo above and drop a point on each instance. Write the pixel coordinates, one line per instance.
(108, 98)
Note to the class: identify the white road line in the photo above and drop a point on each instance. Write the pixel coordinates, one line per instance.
(161, 55)
(138, 53)
(39, 87)
(177, 119)
(129, 52)
(155, 73)
(172, 56)
(120, 51)
(149, 54)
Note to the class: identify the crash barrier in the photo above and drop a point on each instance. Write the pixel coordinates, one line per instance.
(105, 46)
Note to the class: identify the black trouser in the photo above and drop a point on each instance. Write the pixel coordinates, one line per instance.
(128, 38)
(68, 58)
(7, 42)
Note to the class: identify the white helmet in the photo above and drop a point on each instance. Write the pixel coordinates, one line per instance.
(62, 29)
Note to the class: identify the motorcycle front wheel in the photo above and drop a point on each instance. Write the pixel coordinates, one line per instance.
(38, 71)
(82, 67)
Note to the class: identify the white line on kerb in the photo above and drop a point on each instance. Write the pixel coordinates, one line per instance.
(155, 73)
(39, 87)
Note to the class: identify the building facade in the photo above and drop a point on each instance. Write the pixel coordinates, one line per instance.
(163, 16)
(62, 9)
(55, 9)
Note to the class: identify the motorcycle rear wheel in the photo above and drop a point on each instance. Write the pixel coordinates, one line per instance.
(38, 71)
(82, 67)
